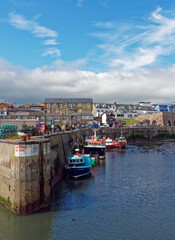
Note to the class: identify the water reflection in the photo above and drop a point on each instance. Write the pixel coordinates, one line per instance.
(37, 226)
(72, 194)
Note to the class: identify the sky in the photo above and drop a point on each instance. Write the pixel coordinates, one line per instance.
(108, 50)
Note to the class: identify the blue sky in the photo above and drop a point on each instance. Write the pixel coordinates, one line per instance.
(110, 50)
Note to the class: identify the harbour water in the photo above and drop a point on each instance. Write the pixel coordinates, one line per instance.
(130, 196)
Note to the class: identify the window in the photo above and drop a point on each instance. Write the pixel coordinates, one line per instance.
(79, 110)
(61, 105)
(88, 105)
(78, 118)
(57, 111)
(49, 118)
(65, 105)
(17, 117)
(64, 118)
(120, 115)
(32, 117)
(54, 105)
(41, 117)
(48, 110)
(87, 117)
(70, 105)
(56, 118)
(48, 105)
(66, 111)
(79, 105)
(24, 117)
(72, 111)
(4, 108)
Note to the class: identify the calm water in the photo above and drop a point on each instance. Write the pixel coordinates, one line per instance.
(131, 196)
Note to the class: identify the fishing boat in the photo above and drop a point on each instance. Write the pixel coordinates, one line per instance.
(95, 146)
(110, 144)
(79, 165)
(121, 142)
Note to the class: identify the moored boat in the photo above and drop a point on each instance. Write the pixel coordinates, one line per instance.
(79, 165)
(95, 145)
(121, 142)
(110, 144)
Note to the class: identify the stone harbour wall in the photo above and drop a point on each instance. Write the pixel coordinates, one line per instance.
(29, 170)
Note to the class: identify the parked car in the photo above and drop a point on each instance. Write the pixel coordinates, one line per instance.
(104, 125)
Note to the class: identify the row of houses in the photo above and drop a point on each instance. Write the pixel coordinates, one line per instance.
(69, 111)
(122, 110)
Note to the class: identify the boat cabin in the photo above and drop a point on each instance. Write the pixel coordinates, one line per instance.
(76, 160)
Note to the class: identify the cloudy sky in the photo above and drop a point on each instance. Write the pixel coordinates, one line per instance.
(110, 50)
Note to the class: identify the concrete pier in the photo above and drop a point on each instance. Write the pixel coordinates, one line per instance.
(29, 170)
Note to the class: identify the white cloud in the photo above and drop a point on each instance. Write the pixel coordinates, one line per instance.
(141, 58)
(122, 86)
(131, 46)
(50, 42)
(52, 52)
(20, 22)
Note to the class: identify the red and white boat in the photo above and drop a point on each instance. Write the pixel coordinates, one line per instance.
(110, 144)
(121, 142)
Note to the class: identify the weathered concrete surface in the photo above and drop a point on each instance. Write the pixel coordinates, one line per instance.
(29, 170)
(24, 175)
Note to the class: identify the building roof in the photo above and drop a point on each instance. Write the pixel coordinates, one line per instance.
(7, 105)
(68, 100)
(101, 105)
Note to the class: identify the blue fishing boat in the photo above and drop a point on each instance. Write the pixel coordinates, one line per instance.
(79, 165)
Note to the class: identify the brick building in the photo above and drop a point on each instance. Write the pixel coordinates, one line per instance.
(69, 110)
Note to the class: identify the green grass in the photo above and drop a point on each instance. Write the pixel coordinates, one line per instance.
(128, 122)
(5, 202)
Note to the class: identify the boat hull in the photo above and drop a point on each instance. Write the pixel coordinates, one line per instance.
(108, 147)
(121, 146)
(95, 150)
(77, 172)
